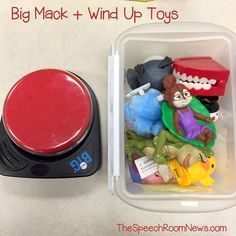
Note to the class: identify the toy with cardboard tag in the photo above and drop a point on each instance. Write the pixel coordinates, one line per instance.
(185, 116)
(153, 178)
(204, 77)
(163, 148)
(152, 71)
(140, 146)
(143, 111)
(201, 172)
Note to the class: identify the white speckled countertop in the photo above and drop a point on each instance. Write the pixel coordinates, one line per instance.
(32, 207)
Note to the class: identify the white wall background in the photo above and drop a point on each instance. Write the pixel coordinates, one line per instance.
(83, 206)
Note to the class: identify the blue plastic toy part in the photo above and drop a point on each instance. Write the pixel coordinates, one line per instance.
(143, 113)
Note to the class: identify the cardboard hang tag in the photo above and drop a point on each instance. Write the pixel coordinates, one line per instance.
(145, 166)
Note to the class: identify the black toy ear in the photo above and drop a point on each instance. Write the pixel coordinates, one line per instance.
(132, 80)
(166, 62)
(139, 69)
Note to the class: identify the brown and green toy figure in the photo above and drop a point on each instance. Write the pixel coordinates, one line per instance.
(165, 147)
(184, 115)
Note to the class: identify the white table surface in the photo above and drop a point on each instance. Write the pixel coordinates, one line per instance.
(30, 207)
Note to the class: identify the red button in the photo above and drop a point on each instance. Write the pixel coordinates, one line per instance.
(48, 112)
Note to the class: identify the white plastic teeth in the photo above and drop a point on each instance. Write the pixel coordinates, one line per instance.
(194, 82)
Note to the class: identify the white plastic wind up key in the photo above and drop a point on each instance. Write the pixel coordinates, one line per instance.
(140, 90)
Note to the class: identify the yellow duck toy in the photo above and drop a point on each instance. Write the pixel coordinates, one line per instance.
(198, 172)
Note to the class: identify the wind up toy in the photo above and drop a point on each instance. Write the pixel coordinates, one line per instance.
(170, 114)
(50, 127)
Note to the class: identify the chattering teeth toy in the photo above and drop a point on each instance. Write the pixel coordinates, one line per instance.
(50, 127)
(203, 76)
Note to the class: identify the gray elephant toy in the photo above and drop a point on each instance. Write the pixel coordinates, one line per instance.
(153, 72)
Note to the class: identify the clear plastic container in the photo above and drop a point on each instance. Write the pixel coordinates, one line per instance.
(175, 40)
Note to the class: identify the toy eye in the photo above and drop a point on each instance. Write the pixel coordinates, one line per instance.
(187, 94)
(178, 97)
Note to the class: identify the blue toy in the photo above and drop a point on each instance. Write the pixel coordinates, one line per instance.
(143, 112)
